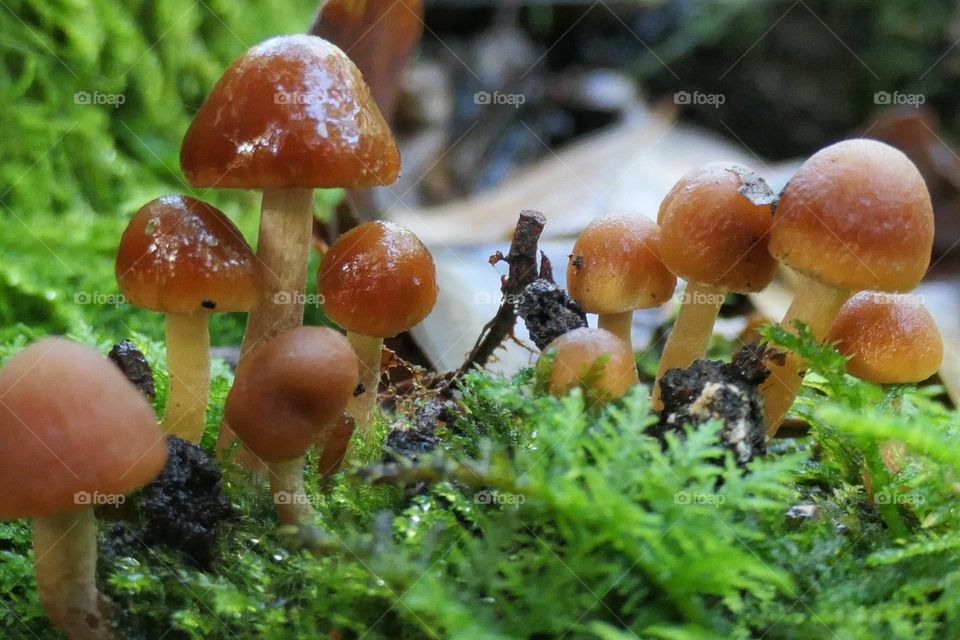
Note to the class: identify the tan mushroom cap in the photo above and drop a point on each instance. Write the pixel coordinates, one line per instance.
(378, 280)
(577, 361)
(714, 226)
(182, 255)
(616, 266)
(293, 111)
(289, 389)
(890, 339)
(857, 216)
(71, 425)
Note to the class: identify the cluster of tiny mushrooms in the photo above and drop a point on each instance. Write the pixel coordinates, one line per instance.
(855, 220)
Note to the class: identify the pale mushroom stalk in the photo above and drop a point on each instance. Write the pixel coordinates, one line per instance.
(283, 248)
(188, 364)
(361, 406)
(619, 324)
(65, 562)
(289, 494)
(691, 332)
(816, 305)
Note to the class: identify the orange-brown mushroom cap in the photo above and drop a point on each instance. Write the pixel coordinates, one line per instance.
(857, 216)
(616, 266)
(378, 280)
(889, 338)
(71, 426)
(182, 255)
(592, 358)
(714, 225)
(292, 112)
(289, 389)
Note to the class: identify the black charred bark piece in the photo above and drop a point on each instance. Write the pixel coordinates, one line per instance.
(712, 390)
(410, 441)
(548, 312)
(134, 366)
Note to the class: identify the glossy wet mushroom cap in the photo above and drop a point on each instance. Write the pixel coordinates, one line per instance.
(856, 216)
(593, 358)
(616, 266)
(713, 228)
(378, 280)
(890, 339)
(293, 111)
(182, 255)
(289, 389)
(71, 423)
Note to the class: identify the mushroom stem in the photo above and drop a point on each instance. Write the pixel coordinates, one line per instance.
(188, 364)
(691, 332)
(619, 324)
(65, 562)
(286, 232)
(816, 304)
(360, 408)
(289, 494)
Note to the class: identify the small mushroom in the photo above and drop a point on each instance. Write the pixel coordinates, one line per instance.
(855, 217)
(594, 359)
(184, 258)
(74, 433)
(377, 280)
(286, 393)
(615, 268)
(888, 338)
(713, 234)
(291, 115)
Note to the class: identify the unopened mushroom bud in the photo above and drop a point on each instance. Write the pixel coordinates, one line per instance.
(74, 433)
(888, 338)
(713, 234)
(615, 268)
(377, 280)
(855, 217)
(291, 115)
(593, 359)
(286, 393)
(184, 258)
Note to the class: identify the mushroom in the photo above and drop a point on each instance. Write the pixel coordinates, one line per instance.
(888, 338)
(615, 268)
(376, 280)
(291, 115)
(855, 217)
(184, 258)
(286, 393)
(713, 233)
(74, 434)
(594, 359)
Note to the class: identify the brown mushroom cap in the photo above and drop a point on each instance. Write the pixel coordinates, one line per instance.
(289, 389)
(182, 255)
(293, 111)
(714, 225)
(857, 216)
(378, 280)
(577, 362)
(616, 267)
(70, 422)
(889, 338)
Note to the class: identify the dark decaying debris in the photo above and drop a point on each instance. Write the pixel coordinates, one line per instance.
(185, 506)
(134, 366)
(409, 441)
(548, 312)
(713, 390)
